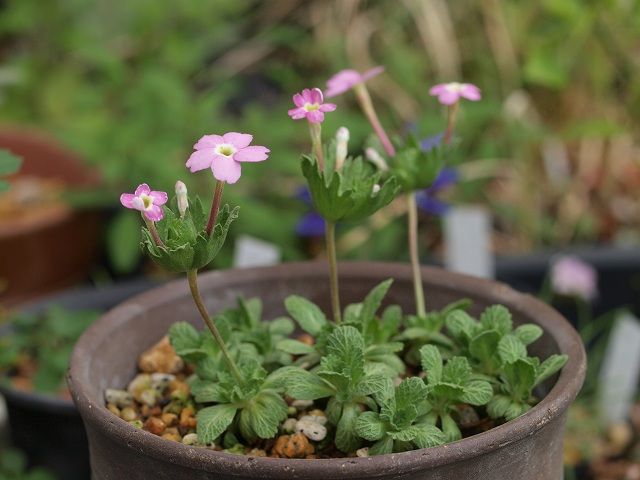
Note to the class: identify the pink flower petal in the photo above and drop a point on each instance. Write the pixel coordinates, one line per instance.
(297, 113)
(159, 198)
(470, 92)
(155, 213)
(315, 116)
(316, 96)
(298, 100)
(226, 169)
(208, 141)
(341, 82)
(142, 188)
(448, 98)
(200, 159)
(252, 154)
(373, 72)
(439, 89)
(327, 107)
(306, 96)
(126, 199)
(238, 140)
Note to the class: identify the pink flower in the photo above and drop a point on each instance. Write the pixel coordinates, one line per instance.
(223, 154)
(572, 277)
(346, 79)
(147, 201)
(309, 105)
(450, 93)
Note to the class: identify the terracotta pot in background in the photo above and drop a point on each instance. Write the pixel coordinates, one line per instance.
(527, 448)
(53, 246)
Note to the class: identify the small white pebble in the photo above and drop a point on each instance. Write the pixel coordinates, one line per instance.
(302, 405)
(315, 418)
(119, 398)
(190, 439)
(362, 452)
(160, 381)
(289, 425)
(148, 397)
(312, 430)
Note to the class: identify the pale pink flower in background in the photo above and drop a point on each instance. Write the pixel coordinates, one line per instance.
(573, 277)
(450, 93)
(310, 105)
(224, 154)
(347, 79)
(147, 201)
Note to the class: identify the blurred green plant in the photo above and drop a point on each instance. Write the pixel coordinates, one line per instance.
(13, 466)
(37, 347)
(9, 164)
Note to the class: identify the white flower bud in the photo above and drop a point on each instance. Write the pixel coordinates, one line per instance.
(342, 145)
(374, 157)
(376, 188)
(181, 197)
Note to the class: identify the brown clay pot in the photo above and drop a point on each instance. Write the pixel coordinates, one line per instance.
(527, 448)
(55, 247)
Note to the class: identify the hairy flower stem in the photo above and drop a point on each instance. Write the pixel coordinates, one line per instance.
(412, 209)
(192, 276)
(315, 130)
(364, 99)
(215, 206)
(154, 232)
(452, 111)
(330, 236)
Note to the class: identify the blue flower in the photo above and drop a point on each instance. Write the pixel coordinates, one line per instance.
(311, 224)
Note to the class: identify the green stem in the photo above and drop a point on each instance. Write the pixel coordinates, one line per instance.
(154, 232)
(315, 130)
(192, 276)
(364, 99)
(330, 236)
(412, 219)
(215, 207)
(452, 111)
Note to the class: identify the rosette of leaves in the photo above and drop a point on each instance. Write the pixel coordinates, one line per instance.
(250, 409)
(399, 425)
(420, 330)
(347, 195)
(415, 168)
(345, 380)
(186, 243)
(448, 385)
(264, 336)
(380, 350)
(482, 341)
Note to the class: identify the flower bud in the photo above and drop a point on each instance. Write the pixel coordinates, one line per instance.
(181, 197)
(376, 188)
(374, 157)
(342, 143)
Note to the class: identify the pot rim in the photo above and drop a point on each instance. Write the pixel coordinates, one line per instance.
(563, 392)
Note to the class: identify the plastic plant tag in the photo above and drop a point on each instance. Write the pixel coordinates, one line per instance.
(620, 369)
(467, 233)
(253, 252)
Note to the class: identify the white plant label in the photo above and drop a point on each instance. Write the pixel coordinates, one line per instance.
(253, 252)
(467, 233)
(620, 369)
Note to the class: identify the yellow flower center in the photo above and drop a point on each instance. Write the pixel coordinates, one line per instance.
(310, 107)
(225, 149)
(147, 201)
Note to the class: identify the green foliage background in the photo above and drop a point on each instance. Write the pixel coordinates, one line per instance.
(132, 85)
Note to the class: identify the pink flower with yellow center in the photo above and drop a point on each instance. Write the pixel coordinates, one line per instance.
(310, 105)
(450, 93)
(347, 79)
(224, 155)
(147, 201)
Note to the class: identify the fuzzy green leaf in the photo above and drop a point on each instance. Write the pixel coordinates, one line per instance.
(450, 429)
(431, 361)
(382, 447)
(460, 325)
(294, 347)
(346, 438)
(373, 300)
(549, 367)
(498, 406)
(498, 318)
(477, 392)
(456, 371)
(427, 436)
(185, 340)
(528, 333)
(369, 426)
(485, 345)
(520, 377)
(510, 348)
(305, 385)
(212, 421)
(266, 410)
(306, 313)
